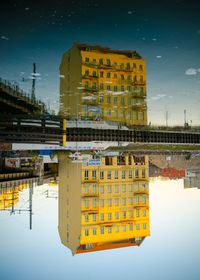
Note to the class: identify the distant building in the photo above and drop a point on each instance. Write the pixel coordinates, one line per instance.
(100, 83)
(104, 207)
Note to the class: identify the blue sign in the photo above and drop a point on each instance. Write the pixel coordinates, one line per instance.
(45, 152)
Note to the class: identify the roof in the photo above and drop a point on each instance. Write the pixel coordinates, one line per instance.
(128, 53)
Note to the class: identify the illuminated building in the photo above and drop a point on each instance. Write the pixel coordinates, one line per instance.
(106, 206)
(100, 83)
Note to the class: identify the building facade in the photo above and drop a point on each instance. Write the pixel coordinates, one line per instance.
(106, 206)
(100, 83)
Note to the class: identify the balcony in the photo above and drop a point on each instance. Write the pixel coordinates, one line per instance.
(89, 77)
(139, 106)
(138, 83)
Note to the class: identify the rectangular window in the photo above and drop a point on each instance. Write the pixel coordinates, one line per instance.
(101, 86)
(86, 203)
(94, 202)
(94, 231)
(86, 232)
(143, 173)
(135, 91)
(123, 188)
(123, 201)
(144, 226)
(130, 201)
(122, 77)
(108, 113)
(129, 101)
(116, 215)
(101, 175)
(141, 78)
(108, 99)
(101, 189)
(116, 188)
(86, 218)
(102, 230)
(115, 75)
(115, 100)
(137, 213)
(102, 217)
(130, 214)
(130, 187)
(137, 186)
(116, 201)
(142, 116)
(117, 229)
(115, 89)
(131, 226)
(101, 61)
(87, 59)
(109, 189)
(136, 116)
(108, 61)
(115, 114)
(129, 115)
(108, 174)
(116, 174)
(124, 215)
(109, 202)
(137, 199)
(144, 199)
(102, 203)
(140, 67)
(135, 78)
(94, 188)
(101, 74)
(123, 174)
(137, 226)
(136, 173)
(144, 213)
(108, 87)
(109, 230)
(94, 73)
(94, 217)
(134, 65)
(128, 88)
(94, 85)
(86, 174)
(143, 187)
(130, 174)
(94, 174)
(122, 114)
(86, 189)
(86, 72)
(109, 216)
(124, 228)
(128, 66)
(141, 90)
(122, 88)
(108, 75)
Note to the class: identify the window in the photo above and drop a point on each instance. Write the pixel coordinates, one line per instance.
(122, 77)
(94, 60)
(86, 72)
(135, 90)
(108, 61)
(131, 226)
(101, 61)
(115, 100)
(101, 189)
(137, 199)
(115, 75)
(108, 87)
(130, 187)
(130, 214)
(134, 65)
(130, 201)
(144, 199)
(129, 115)
(101, 175)
(100, 99)
(124, 228)
(124, 215)
(123, 188)
(102, 217)
(94, 73)
(115, 114)
(86, 174)
(143, 173)
(117, 229)
(123, 201)
(94, 231)
(130, 174)
(86, 84)
(116, 174)
(128, 88)
(122, 114)
(135, 78)
(102, 230)
(137, 213)
(142, 116)
(108, 174)
(141, 90)
(122, 65)
(144, 213)
(108, 75)
(109, 202)
(136, 173)
(87, 59)
(144, 226)
(141, 78)
(86, 218)
(128, 66)
(109, 216)
(102, 203)
(140, 67)
(94, 174)
(94, 202)
(109, 189)
(108, 99)
(137, 186)
(128, 78)
(86, 232)
(86, 203)
(115, 89)
(123, 174)
(94, 217)
(109, 230)
(101, 74)
(109, 113)
(122, 88)
(116, 201)
(116, 188)
(94, 85)
(94, 188)
(129, 101)
(86, 189)
(116, 215)
(137, 226)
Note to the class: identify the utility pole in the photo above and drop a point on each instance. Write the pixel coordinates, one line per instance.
(33, 82)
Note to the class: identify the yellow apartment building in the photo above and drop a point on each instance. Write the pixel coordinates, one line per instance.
(100, 83)
(106, 206)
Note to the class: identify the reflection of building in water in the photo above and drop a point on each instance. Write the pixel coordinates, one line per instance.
(192, 179)
(9, 196)
(98, 82)
(104, 207)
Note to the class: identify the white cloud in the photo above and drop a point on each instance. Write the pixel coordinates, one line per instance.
(4, 37)
(191, 71)
(159, 56)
